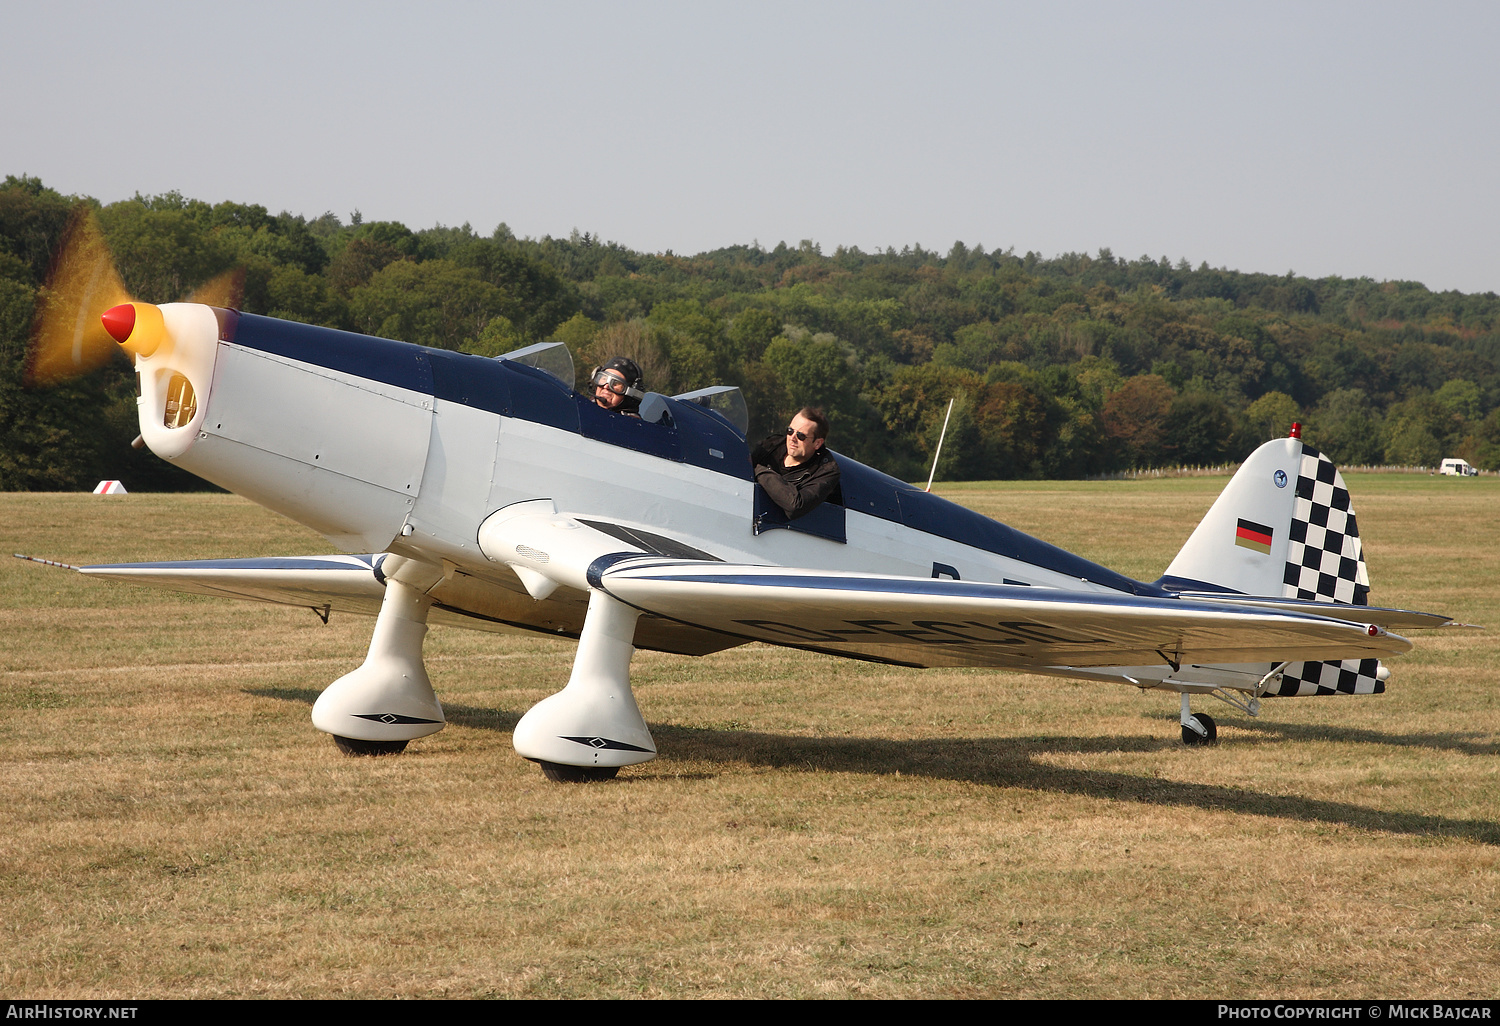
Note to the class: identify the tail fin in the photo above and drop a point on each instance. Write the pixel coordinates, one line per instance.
(1285, 527)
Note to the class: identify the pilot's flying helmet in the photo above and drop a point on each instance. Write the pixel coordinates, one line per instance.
(635, 385)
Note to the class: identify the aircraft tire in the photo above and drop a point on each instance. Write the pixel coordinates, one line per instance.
(559, 773)
(354, 746)
(1191, 737)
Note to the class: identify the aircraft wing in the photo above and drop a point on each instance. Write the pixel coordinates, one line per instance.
(354, 584)
(347, 584)
(931, 622)
(698, 607)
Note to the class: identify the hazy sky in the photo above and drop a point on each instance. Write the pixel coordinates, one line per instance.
(1326, 138)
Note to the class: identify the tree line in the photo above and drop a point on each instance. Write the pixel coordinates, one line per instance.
(1058, 367)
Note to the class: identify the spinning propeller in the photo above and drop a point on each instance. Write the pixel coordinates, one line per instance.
(83, 310)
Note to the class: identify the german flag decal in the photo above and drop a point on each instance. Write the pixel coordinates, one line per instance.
(1253, 536)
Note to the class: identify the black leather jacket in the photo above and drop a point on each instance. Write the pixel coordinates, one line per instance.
(800, 489)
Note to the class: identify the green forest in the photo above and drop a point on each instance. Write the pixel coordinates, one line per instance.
(1060, 367)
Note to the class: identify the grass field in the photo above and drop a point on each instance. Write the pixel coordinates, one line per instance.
(173, 826)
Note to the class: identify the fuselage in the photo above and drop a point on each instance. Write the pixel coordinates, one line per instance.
(385, 446)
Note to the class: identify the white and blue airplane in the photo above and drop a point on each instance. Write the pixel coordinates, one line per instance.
(488, 494)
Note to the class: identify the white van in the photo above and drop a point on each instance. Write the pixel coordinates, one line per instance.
(1457, 468)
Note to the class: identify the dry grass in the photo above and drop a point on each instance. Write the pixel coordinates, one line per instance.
(173, 826)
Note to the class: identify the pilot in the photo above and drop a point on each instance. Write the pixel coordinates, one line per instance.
(797, 472)
(619, 386)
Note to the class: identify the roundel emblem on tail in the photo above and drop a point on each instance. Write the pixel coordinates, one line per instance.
(1280, 478)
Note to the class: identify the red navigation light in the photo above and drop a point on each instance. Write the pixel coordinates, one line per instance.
(1296, 430)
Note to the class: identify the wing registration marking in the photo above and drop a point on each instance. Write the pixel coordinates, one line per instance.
(931, 632)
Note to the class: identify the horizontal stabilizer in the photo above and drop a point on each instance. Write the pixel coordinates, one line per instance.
(1390, 619)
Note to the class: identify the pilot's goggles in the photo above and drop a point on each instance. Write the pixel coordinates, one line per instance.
(604, 379)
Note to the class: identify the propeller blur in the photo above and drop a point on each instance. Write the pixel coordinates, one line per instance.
(72, 334)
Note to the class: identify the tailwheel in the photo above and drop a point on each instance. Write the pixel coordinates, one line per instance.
(1210, 735)
(354, 746)
(562, 774)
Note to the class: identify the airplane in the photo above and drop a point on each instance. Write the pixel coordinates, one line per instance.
(486, 493)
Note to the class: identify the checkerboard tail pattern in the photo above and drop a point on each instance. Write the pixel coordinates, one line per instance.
(1350, 677)
(1325, 563)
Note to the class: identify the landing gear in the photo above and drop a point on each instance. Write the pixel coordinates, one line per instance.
(1197, 729)
(354, 746)
(388, 700)
(1209, 735)
(561, 774)
(592, 727)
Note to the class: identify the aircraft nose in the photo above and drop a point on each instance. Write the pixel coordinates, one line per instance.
(138, 327)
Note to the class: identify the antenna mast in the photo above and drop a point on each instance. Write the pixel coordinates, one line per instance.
(940, 445)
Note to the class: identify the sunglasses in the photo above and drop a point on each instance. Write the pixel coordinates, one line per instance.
(801, 437)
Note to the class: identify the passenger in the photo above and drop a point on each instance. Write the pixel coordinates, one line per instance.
(797, 472)
(619, 386)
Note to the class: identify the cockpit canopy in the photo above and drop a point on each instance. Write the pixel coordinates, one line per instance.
(554, 360)
(725, 400)
(550, 358)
